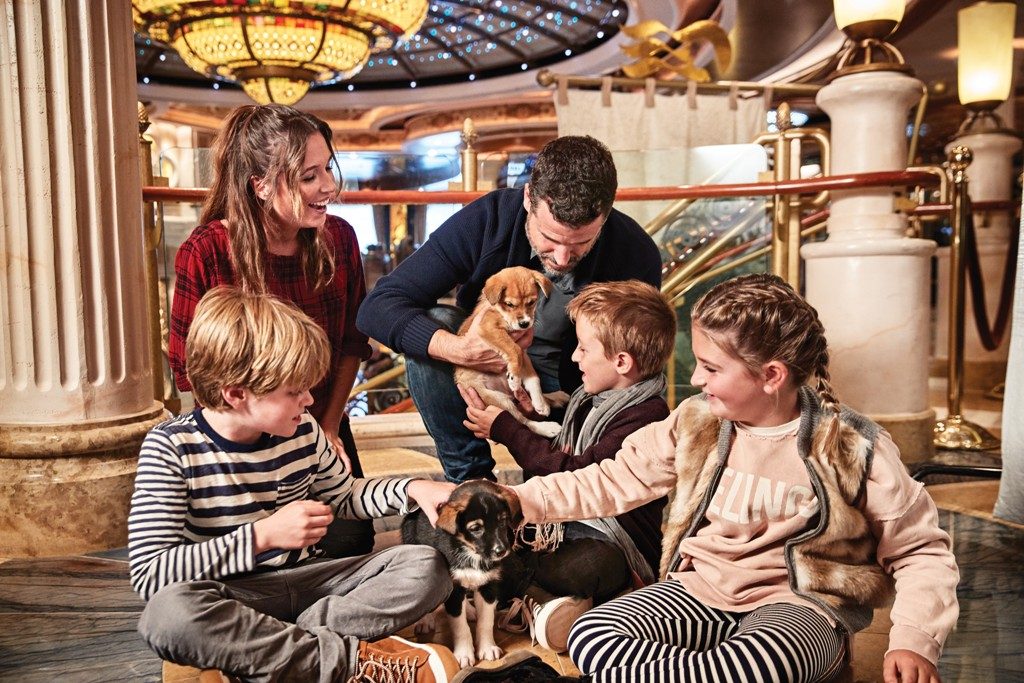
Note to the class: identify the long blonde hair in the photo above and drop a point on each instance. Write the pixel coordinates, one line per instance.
(760, 318)
(266, 143)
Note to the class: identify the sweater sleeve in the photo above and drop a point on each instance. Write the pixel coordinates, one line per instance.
(158, 552)
(537, 456)
(353, 342)
(915, 551)
(190, 283)
(394, 313)
(351, 497)
(643, 470)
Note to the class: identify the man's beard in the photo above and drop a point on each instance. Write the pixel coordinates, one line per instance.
(550, 270)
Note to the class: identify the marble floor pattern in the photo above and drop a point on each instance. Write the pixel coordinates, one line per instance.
(73, 618)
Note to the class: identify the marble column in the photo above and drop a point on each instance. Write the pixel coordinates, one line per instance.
(869, 282)
(75, 381)
(990, 178)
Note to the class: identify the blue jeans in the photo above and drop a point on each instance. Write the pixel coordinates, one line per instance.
(432, 386)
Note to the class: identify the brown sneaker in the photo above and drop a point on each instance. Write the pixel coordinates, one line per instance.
(553, 619)
(397, 660)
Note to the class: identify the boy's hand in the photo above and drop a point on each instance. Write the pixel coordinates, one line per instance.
(479, 416)
(429, 495)
(298, 524)
(905, 666)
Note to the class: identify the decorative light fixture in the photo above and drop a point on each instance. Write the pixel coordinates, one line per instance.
(277, 49)
(867, 23)
(985, 59)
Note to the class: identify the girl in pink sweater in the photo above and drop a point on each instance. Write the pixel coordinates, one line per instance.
(792, 519)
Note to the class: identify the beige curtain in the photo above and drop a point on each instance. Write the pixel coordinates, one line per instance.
(649, 133)
(1010, 504)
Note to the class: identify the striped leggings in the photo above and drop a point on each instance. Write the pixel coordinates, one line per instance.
(663, 634)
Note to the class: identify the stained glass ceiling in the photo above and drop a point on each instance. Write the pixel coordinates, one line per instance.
(460, 41)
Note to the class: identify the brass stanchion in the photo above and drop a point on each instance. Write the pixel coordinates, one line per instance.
(150, 238)
(955, 432)
(468, 156)
(151, 235)
(785, 239)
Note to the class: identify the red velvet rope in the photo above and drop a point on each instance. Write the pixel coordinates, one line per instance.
(991, 337)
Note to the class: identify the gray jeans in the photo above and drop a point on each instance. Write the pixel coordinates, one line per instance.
(298, 624)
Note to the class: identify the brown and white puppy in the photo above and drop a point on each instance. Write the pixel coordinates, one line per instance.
(475, 532)
(507, 304)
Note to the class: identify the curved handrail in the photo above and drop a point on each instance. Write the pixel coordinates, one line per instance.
(849, 181)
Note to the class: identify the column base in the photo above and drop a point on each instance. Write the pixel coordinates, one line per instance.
(912, 433)
(66, 489)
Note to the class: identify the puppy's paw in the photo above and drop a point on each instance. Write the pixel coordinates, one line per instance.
(557, 399)
(545, 429)
(464, 656)
(515, 382)
(426, 624)
(541, 408)
(489, 652)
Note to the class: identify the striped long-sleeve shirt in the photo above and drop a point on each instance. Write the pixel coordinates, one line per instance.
(197, 496)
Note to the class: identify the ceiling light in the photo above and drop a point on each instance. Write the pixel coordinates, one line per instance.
(277, 49)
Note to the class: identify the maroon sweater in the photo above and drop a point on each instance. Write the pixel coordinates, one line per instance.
(538, 457)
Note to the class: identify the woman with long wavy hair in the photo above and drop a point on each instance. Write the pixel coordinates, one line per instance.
(265, 228)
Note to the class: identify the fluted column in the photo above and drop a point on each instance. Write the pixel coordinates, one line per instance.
(75, 390)
(869, 282)
(990, 178)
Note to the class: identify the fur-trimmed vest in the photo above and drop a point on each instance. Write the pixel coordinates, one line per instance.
(831, 563)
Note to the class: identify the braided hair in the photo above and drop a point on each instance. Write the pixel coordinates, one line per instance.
(759, 318)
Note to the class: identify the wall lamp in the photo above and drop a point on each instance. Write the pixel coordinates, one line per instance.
(984, 62)
(867, 23)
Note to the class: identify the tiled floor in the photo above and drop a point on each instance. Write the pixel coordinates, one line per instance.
(73, 618)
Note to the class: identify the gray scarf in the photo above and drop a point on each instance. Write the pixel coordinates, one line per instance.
(607, 405)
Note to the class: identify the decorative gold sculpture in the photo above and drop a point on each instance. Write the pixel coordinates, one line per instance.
(658, 49)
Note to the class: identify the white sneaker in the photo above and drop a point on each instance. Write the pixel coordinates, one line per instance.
(553, 619)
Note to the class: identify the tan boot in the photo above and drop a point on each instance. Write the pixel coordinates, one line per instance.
(396, 660)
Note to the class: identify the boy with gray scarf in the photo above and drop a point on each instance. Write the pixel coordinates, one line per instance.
(626, 333)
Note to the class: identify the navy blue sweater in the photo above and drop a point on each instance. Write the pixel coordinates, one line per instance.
(477, 242)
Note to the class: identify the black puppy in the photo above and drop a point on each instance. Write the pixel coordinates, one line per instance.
(475, 532)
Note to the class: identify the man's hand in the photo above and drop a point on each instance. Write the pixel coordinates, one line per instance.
(298, 524)
(469, 350)
(479, 416)
(429, 495)
(338, 447)
(905, 666)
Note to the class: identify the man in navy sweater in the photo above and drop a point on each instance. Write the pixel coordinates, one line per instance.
(561, 223)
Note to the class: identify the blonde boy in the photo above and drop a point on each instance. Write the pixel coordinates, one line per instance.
(626, 332)
(231, 499)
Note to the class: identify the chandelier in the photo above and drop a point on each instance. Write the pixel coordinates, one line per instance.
(277, 49)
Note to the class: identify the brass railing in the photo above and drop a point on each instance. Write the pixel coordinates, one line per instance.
(711, 259)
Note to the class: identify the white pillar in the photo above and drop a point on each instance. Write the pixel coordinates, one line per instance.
(868, 281)
(75, 390)
(990, 178)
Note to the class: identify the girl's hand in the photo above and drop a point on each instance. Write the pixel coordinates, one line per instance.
(479, 416)
(429, 495)
(905, 666)
(299, 524)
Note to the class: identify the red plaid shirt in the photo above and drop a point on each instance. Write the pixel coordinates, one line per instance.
(203, 262)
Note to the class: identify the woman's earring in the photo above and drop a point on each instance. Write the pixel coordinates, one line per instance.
(767, 388)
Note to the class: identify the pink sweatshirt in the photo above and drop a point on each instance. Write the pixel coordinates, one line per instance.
(903, 519)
